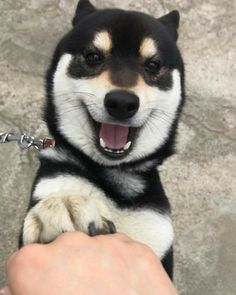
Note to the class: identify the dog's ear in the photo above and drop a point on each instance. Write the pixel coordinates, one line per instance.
(171, 21)
(84, 8)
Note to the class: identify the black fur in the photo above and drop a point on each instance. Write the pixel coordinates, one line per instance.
(87, 20)
(168, 263)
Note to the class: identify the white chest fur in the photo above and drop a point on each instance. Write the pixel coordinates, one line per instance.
(128, 184)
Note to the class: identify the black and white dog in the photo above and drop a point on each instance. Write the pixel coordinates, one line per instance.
(115, 89)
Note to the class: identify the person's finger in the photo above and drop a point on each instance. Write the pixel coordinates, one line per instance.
(5, 291)
(9, 261)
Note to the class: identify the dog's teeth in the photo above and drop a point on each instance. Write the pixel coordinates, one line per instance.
(114, 151)
(108, 150)
(127, 146)
(102, 143)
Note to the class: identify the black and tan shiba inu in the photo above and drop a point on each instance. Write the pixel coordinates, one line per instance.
(115, 89)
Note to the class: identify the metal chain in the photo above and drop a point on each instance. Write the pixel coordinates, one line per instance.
(25, 142)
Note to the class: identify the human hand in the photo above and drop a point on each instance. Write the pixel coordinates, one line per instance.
(78, 264)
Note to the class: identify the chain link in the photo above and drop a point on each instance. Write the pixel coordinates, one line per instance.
(25, 142)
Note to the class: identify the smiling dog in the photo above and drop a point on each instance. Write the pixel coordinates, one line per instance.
(115, 89)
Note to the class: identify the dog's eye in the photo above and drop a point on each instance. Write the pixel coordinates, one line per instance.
(94, 58)
(153, 66)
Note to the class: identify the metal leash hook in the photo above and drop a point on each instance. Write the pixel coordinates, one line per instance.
(3, 137)
(25, 142)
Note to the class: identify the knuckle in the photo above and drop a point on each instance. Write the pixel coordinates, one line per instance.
(115, 243)
(11, 261)
(119, 240)
(29, 250)
(121, 237)
(26, 253)
(143, 249)
(69, 237)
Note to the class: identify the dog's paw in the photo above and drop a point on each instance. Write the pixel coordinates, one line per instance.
(55, 215)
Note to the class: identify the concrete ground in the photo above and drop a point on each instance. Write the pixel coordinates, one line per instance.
(200, 179)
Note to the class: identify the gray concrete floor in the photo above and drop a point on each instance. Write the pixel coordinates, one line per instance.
(200, 179)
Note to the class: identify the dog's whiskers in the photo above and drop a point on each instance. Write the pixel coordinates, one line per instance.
(81, 93)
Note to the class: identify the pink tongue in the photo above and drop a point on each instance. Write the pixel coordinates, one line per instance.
(114, 136)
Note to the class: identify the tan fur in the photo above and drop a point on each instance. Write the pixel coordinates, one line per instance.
(102, 41)
(148, 48)
(141, 88)
(103, 79)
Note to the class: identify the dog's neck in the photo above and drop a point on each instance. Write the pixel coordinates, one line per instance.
(125, 183)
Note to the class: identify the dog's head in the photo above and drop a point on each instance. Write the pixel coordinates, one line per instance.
(115, 84)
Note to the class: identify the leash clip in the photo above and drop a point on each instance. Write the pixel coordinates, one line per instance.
(25, 142)
(3, 137)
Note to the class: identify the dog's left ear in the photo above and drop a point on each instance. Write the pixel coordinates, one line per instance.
(84, 8)
(171, 22)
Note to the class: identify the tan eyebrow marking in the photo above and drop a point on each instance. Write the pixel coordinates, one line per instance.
(102, 41)
(148, 48)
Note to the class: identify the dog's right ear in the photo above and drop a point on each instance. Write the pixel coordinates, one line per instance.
(171, 22)
(84, 8)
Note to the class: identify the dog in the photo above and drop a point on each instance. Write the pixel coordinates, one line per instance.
(115, 91)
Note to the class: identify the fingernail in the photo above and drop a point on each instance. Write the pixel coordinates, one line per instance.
(5, 291)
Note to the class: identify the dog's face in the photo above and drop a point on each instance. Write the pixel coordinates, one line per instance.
(115, 83)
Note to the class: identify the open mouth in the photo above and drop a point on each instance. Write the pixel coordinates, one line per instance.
(115, 141)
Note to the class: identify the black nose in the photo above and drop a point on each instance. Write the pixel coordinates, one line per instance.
(121, 104)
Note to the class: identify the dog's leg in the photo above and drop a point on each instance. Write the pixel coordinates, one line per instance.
(70, 203)
(66, 203)
(168, 263)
